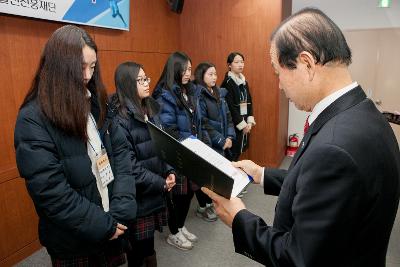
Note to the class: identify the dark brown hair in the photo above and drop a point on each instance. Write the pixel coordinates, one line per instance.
(174, 70)
(199, 73)
(232, 56)
(125, 79)
(58, 85)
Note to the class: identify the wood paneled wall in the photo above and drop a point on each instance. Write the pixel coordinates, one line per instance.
(149, 42)
(211, 29)
(207, 30)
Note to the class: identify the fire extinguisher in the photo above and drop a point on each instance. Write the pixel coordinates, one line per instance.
(293, 145)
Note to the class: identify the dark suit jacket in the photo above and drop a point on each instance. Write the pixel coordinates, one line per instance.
(338, 200)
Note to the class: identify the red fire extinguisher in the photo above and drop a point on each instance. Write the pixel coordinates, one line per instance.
(293, 145)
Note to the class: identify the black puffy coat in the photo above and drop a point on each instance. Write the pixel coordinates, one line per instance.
(150, 186)
(216, 118)
(180, 118)
(60, 181)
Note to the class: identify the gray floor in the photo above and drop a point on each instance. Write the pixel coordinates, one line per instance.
(215, 246)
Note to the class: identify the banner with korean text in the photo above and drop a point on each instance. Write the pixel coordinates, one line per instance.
(112, 14)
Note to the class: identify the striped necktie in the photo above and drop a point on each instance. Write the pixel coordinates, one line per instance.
(306, 126)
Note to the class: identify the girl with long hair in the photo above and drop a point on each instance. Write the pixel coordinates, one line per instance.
(180, 116)
(74, 158)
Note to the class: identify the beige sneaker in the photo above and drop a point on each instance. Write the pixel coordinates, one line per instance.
(189, 236)
(179, 241)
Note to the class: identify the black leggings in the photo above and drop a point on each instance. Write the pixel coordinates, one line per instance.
(202, 198)
(178, 208)
(140, 250)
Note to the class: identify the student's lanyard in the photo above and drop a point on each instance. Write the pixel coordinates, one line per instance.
(243, 94)
(101, 143)
(243, 100)
(102, 161)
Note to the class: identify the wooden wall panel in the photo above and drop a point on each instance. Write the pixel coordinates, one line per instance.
(211, 29)
(21, 48)
(149, 42)
(7, 113)
(18, 226)
(153, 27)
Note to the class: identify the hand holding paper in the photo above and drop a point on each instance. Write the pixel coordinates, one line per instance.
(225, 208)
(252, 169)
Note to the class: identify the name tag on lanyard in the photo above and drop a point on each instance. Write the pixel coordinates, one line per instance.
(104, 168)
(102, 161)
(243, 108)
(243, 102)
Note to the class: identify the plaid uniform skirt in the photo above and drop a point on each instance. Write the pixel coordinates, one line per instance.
(181, 186)
(144, 227)
(98, 260)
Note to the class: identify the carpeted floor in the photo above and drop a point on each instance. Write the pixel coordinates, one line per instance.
(215, 245)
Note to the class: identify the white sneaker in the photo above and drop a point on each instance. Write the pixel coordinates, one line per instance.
(189, 236)
(211, 207)
(179, 241)
(206, 214)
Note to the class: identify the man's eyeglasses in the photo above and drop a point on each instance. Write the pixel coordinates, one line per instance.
(141, 81)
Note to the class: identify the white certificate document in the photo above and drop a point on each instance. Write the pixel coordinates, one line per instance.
(241, 179)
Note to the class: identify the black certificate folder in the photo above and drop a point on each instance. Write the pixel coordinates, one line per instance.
(199, 162)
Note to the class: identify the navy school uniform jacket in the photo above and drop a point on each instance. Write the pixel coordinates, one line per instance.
(216, 118)
(179, 117)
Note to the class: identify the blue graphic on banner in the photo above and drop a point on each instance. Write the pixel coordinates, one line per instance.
(83, 11)
(107, 13)
(102, 13)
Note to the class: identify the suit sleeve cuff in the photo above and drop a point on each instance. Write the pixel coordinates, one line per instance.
(237, 220)
(250, 120)
(241, 125)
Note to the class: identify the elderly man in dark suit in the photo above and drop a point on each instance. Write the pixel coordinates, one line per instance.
(338, 200)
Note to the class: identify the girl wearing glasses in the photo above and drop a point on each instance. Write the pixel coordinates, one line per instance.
(74, 158)
(135, 106)
(239, 103)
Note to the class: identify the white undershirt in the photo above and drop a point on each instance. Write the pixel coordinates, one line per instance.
(324, 103)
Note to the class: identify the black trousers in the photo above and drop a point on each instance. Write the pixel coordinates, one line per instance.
(239, 145)
(178, 208)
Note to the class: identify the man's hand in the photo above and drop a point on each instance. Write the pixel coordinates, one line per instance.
(225, 208)
(170, 181)
(251, 169)
(119, 231)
